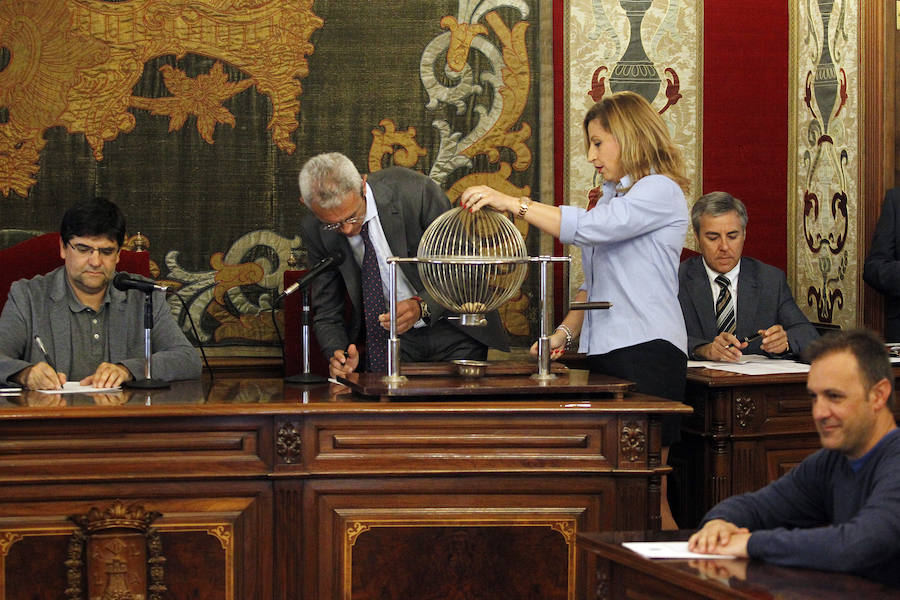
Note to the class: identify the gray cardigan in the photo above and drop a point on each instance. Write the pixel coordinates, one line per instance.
(39, 306)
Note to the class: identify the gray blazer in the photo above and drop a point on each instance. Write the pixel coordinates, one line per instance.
(407, 203)
(39, 306)
(763, 299)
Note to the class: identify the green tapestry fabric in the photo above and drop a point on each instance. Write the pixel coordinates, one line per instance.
(196, 118)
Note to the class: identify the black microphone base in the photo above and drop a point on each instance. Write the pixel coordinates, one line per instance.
(305, 379)
(147, 384)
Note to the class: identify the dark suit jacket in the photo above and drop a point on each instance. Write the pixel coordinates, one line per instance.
(882, 267)
(407, 203)
(763, 299)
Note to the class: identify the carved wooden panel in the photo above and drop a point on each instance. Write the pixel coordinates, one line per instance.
(211, 541)
(146, 448)
(482, 561)
(444, 442)
(779, 462)
(787, 409)
(633, 443)
(33, 561)
(372, 534)
(115, 552)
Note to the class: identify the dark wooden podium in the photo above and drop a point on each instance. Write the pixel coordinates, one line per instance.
(270, 491)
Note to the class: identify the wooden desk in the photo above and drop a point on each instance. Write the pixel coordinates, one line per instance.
(268, 491)
(621, 573)
(745, 431)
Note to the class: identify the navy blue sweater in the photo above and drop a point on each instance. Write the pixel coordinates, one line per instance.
(825, 515)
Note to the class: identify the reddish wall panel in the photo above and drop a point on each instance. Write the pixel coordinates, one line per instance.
(745, 116)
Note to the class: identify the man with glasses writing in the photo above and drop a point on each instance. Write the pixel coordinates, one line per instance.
(70, 324)
(368, 219)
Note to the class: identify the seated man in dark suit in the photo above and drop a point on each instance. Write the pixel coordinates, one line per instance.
(839, 509)
(368, 219)
(71, 324)
(734, 305)
(882, 267)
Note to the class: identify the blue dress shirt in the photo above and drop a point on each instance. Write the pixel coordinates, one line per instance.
(630, 250)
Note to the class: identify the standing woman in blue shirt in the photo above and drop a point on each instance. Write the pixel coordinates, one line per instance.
(630, 245)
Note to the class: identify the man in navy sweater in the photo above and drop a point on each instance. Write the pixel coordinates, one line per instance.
(839, 509)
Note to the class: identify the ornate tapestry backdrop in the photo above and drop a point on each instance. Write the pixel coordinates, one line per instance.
(651, 48)
(824, 174)
(196, 117)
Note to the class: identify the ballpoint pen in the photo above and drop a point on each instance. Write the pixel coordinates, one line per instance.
(747, 339)
(47, 359)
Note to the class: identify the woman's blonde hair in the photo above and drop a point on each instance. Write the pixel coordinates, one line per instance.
(644, 141)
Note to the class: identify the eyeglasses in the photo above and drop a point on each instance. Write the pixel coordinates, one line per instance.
(85, 250)
(356, 218)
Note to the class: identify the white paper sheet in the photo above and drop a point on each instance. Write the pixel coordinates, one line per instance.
(73, 387)
(754, 364)
(667, 550)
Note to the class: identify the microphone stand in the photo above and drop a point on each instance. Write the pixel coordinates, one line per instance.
(305, 377)
(148, 383)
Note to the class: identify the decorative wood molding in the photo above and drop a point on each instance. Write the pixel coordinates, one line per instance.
(566, 528)
(354, 530)
(288, 443)
(7, 539)
(744, 410)
(224, 534)
(632, 441)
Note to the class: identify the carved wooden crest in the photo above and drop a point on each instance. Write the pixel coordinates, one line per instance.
(115, 554)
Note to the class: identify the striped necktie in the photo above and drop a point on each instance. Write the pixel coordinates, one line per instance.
(724, 306)
(373, 305)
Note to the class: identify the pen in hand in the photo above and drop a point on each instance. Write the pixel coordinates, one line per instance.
(47, 359)
(746, 339)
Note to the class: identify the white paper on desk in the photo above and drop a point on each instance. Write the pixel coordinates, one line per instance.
(667, 550)
(73, 387)
(745, 359)
(755, 364)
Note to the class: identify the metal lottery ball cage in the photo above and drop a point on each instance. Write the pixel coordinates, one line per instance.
(471, 264)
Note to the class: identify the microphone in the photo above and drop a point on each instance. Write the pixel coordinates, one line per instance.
(336, 258)
(124, 283)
